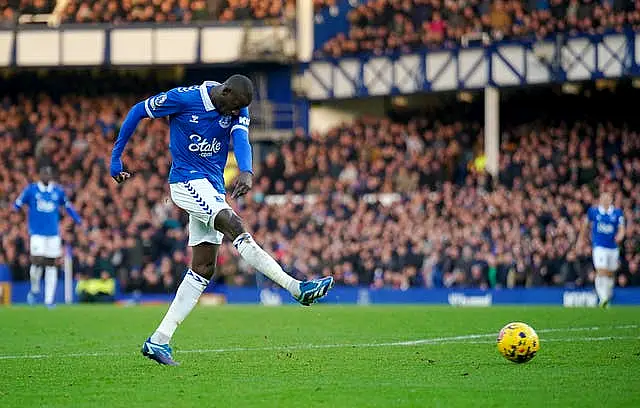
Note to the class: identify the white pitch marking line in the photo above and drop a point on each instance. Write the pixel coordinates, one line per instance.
(435, 340)
(575, 339)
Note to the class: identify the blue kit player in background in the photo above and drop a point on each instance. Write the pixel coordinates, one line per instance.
(607, 231)
(44, 199)
(203, 120)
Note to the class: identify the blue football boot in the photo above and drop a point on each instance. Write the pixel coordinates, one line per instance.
(161, 353)
(312, 290)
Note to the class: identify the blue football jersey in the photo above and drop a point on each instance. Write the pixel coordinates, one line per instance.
(44, 207)
(604, 226)
(199, 135)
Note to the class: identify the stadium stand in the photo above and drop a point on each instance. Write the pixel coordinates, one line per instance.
(7, 12)
(271, 10)
(439, 231)
(149, 11)
(417, 186)
(127, 11)
(387, 26)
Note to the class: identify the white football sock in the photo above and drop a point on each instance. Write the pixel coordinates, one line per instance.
(263, 262)
(50, 283)
(186, 298)
(599, 287)
(608, 285)
(35, 273)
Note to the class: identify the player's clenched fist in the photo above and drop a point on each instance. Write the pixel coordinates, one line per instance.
(122, 176)
(243, 184)
(116, 171)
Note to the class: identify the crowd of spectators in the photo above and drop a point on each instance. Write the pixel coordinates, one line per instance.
(388, 26)
(128, 11)
(375, 26)
(152, 11)
(388, 204)
(266, 10)
(10, 10)
(452, 225)
(319, 5)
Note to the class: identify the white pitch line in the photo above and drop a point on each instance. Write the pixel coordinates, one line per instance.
(434, 340)
(565, 340)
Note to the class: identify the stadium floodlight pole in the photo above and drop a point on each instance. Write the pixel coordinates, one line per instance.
(305, 30)
(492, 129)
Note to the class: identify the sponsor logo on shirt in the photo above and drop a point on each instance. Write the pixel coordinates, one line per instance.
(204, 147)
(45, 206)
(243, 120)
(605, 228)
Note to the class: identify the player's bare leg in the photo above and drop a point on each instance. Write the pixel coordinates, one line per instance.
(203, 267)
(35, 275)
(50, 280)
(231, 225)
(604, 283)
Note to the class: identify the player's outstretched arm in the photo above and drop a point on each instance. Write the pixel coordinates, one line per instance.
(243, 153)
(157, 106)
(71, 210)
(584, 227)
(73, 213)
(621, 230)
(135, 115)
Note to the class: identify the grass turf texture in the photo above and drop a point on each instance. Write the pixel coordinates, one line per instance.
(89, 357)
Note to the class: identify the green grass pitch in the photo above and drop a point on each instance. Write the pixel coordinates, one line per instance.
(323, 356)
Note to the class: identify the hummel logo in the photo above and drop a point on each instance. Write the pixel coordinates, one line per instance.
(242, 238)
(196, 277)
(194, 119)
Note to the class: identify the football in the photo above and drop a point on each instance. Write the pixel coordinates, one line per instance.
(518, 342)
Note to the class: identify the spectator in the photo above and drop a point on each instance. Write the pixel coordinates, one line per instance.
(97, 290)
(389, 26)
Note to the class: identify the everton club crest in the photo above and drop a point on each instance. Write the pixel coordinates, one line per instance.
(225, 121)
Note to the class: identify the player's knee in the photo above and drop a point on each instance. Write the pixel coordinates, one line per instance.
(230, 224)
(205, 269)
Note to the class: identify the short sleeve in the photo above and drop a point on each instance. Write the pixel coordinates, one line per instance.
(620, 218)
(591, 214)
(163, 104)
(241, 123)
